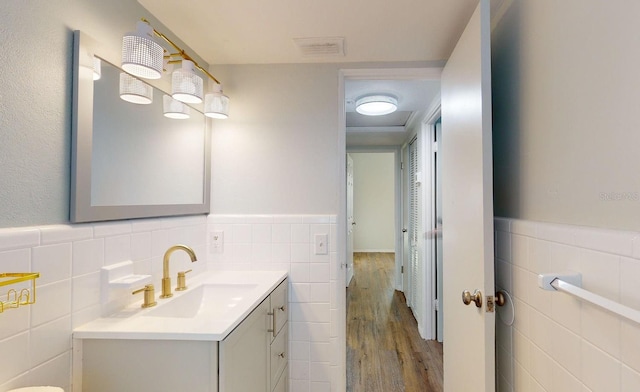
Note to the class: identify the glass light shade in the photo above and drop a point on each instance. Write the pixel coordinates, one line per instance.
(216, 104)
(135, 90)
(186, 86)
(142, 56)
(97, 68)
(175, 109)
(376, 105)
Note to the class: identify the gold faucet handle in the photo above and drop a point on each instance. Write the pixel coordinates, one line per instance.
(182, 280)
(149, 296)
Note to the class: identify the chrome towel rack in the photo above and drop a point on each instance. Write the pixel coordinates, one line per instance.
(571, 282)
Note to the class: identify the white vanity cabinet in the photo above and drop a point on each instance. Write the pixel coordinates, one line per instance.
(110, 365)
(250, 358)
(253, 358)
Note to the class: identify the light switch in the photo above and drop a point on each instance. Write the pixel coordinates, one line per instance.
(216, 242)
(321, 244)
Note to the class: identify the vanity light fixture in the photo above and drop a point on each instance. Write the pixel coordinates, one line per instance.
(141, 55)
(376, 105)
(187, 86)
(173, 108)
(216, 104)
(135, 90)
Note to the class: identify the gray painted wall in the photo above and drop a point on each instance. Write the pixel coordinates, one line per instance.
(277, 153)
(374, 202)
(565, 109)
(35, 98)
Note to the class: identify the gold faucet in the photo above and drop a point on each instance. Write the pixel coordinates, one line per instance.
(166, 280)
(149, 296)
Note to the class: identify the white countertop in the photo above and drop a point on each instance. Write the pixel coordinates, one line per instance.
(134, 322)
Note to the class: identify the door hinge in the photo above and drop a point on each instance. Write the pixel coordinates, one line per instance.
(436, 305)
(490, 304)
(401, 165)
(402, 269)
(435, 147)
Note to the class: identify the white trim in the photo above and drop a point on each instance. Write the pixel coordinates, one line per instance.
(340, 270)
(376, 129)
(374, 250)
(428, 330)
(427, 73)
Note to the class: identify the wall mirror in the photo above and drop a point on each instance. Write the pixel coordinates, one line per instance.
(129, 160)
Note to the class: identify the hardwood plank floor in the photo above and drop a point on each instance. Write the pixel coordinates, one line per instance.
(385, 352)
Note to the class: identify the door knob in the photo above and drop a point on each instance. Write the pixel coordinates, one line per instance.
(501, 299)
(404, 230)
(476, 297)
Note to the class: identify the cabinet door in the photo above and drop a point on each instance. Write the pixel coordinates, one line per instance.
(279, 355)
(244, 354)
(283, 382)
(279, 300)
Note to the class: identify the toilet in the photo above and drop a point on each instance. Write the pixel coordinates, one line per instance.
(38, 389)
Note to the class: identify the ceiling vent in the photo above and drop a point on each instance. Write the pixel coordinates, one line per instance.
(323, 46)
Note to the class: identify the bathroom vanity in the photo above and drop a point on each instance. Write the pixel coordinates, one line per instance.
(227, 332)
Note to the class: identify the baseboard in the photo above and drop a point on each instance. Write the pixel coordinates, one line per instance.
(374, 251)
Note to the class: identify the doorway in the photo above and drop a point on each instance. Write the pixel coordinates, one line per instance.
(417, 121)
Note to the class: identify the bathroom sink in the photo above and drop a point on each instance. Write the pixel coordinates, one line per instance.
(214, 304)
(214, 300)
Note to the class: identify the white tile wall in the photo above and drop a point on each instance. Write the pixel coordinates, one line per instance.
(285, 242)
(35, 341)
(558, 343)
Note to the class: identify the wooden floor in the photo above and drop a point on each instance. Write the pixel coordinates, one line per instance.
(384, 350)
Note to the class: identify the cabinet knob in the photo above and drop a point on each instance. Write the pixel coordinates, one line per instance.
(281, 355)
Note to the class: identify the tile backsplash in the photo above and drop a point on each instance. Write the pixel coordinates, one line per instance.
(557, 342)
(35, 340)
(287, 242)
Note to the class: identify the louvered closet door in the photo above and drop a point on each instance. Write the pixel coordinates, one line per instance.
(413, 299)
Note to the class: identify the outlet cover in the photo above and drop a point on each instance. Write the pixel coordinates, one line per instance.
(216, 242)
(321, 244)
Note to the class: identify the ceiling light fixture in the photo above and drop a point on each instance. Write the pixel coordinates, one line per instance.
(376, 105)
(135, 90)
(216, 104)
(175, 109)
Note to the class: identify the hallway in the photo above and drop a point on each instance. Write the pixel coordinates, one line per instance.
(384, 350)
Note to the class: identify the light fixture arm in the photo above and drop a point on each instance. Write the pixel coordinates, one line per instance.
(181, 52)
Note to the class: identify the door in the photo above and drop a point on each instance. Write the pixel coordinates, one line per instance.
(350, 220)
(413, 297)
(405, 221)
(469, 331)
(437, 159)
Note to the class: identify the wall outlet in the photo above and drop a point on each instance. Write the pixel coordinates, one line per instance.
(321, 244)
(216, 242)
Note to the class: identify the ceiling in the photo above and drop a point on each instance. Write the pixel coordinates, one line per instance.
(259, 32)
(414, 97)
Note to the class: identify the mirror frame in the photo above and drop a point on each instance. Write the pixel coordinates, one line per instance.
(81, 209)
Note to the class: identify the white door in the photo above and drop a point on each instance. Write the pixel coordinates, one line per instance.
(405, 222)
(439, 256)
(469, 331)
(350, 220)
(413, 297)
